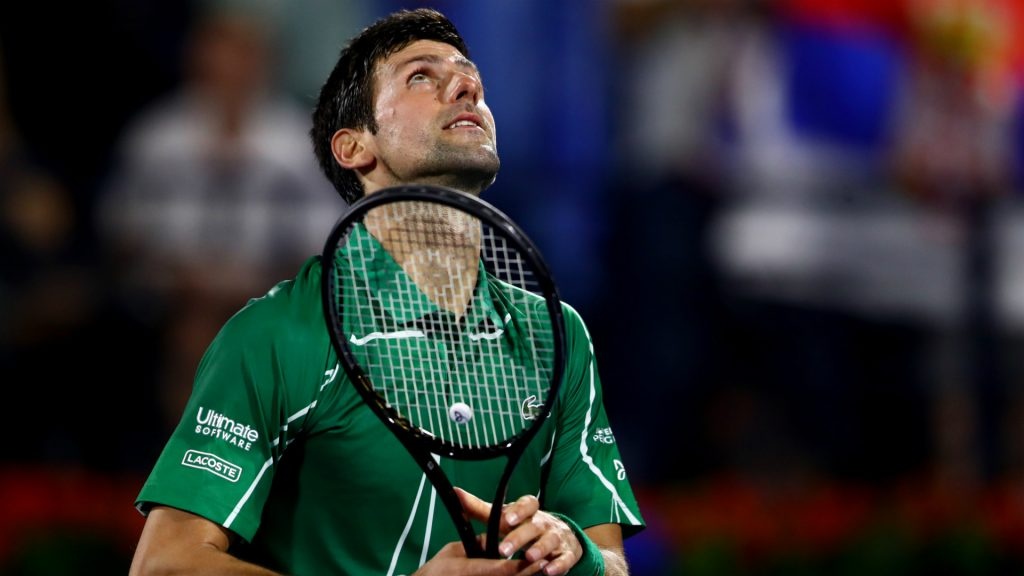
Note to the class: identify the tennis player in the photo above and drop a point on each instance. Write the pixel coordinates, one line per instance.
(278, 467)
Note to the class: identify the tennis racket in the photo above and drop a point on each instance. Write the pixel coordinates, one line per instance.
(448, 322)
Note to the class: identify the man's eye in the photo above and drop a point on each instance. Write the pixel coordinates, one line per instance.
(419, 77)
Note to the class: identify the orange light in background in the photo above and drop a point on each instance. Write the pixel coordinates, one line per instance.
(981, 38)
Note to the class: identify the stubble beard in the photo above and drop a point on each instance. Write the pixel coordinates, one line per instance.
(471, 171)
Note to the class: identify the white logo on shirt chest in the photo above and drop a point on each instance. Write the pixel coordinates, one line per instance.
(531, 408)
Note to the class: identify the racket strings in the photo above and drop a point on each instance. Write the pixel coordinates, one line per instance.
(439, 362)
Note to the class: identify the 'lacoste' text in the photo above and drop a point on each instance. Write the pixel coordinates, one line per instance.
(212, 464)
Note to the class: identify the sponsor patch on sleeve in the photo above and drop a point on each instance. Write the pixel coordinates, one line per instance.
(216, 425)
(604, 436)
(213, 464)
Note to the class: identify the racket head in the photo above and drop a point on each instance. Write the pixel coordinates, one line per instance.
(446, 319)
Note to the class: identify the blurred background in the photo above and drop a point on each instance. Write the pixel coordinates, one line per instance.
(794, 227)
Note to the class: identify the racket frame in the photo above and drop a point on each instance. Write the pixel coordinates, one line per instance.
(421, 445)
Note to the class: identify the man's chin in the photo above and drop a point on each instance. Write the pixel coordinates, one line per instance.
(472, 174)
(472, 181)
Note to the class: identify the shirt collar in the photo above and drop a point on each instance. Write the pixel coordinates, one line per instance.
(386, 280)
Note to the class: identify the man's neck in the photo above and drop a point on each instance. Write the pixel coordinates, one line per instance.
(468, 185)
(438, 248)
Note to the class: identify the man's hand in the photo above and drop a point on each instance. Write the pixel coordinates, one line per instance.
(549, 545)
(452, 561)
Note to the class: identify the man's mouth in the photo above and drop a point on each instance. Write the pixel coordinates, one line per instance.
(465, 121)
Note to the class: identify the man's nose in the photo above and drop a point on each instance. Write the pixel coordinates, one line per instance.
(462, 86)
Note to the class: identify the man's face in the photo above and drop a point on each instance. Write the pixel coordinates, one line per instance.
(433, 123)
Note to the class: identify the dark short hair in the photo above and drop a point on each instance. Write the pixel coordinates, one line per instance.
(346, 99)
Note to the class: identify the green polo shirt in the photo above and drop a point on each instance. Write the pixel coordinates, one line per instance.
(276, 445)
(496, 358)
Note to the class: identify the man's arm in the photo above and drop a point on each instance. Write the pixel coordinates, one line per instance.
(608, 538)
(178, 542)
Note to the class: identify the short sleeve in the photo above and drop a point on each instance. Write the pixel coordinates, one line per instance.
(256, 376)
(588, 480)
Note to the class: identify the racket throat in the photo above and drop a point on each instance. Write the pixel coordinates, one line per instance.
(498, 507)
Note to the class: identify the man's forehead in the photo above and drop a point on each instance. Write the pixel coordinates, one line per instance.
(429, 51)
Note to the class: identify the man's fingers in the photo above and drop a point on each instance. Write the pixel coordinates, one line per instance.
(533, 569)
(549, 545)
(544, 538)
(520, 538)
(474, 507)
(451, 559)
(516, 512)
(452, 550)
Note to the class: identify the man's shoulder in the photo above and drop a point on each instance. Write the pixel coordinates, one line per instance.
(278, 339)
(575, 326)
(290, 305)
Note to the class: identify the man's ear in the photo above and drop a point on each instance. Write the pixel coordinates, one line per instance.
(349, 149)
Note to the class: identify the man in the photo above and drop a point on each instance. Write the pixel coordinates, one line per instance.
(278, 467)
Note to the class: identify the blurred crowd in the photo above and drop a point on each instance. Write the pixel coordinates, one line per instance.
(792, 225)
(825, 198)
